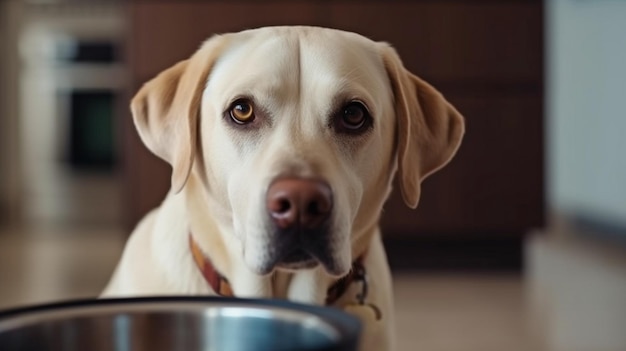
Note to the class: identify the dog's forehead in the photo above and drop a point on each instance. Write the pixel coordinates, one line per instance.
(281, 61)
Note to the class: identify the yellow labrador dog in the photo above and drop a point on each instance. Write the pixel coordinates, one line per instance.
(283, 143)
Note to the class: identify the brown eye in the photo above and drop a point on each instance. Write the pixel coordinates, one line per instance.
(353, 118)
(242, 112)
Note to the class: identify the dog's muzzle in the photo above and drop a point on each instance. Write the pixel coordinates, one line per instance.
(300, 211)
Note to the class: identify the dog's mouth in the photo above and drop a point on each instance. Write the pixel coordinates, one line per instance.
(297, 259)
(293, 249)
(302, 257)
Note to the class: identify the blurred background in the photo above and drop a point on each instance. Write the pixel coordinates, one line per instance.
(519, 244)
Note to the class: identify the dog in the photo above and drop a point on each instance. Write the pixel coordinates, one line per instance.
(284, 143)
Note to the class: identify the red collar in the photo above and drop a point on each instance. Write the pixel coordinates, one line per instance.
(222, 287)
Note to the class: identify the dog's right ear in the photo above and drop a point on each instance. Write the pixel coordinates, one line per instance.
(166, 109)
(429, 128)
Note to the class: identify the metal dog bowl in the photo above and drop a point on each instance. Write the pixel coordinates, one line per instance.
(178, 324)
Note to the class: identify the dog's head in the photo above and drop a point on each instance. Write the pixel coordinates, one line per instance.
(296, 133)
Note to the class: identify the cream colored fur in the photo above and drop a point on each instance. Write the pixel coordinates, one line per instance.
(296, 77)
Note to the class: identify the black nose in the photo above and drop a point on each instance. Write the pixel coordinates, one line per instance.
(299, 203)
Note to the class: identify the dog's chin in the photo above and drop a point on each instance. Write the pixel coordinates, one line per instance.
(296, 266)
(266, 269)
(300, 260)
(331, 269)
(295, 258)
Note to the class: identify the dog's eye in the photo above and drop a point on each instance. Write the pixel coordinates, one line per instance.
(242, 111)
(353, 118)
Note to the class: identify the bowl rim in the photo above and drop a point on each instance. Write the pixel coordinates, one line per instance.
(347, 327)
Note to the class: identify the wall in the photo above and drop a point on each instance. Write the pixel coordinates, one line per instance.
(10, 15)
(586, 95)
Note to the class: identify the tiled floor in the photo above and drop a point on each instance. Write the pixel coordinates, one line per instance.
(434, 312)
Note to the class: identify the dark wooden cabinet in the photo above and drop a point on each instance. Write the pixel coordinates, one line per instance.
(485, 56)
(493, 186)
(453, 41)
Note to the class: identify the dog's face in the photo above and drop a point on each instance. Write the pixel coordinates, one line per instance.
(297, 133)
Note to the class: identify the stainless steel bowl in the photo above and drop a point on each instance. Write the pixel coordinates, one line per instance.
(177, 323)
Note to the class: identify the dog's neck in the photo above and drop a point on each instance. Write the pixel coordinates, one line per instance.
(220, 284)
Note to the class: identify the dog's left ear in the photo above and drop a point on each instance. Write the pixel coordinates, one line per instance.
(429, 128)
(167, 108)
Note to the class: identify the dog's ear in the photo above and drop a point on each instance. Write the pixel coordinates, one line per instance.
(166, 110)
(429, 128)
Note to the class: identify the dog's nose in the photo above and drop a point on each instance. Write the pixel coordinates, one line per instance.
(299, 202)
